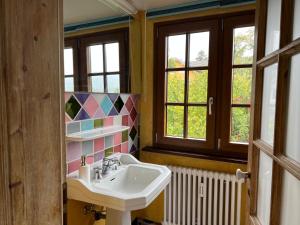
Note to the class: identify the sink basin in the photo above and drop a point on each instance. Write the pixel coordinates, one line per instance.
(133, 179)
(133, 186)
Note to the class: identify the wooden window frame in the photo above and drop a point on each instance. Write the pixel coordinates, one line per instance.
(72, 43)
(211, 26)
(229, 25)
(282, 56)
(83, 41)
(194, 146)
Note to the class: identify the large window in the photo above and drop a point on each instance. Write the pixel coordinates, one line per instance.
(203, 82)
(101, 61)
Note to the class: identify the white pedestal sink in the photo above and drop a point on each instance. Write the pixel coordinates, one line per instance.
(133, 186)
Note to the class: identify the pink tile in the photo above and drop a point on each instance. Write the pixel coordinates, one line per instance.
(129, 104)
(130, 122)
(133, 114)
(124, 111)
(124, 147)
(73, 166)
(108, 121)
(135, 99)
(91, 106)
(117, 138)
(99, 145)
(99, 113)
(73, 151)
(67, 96)
(117, 148)
(67, 119)
(90, 159)
(125, 120)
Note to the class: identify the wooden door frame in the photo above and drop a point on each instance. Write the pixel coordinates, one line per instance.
(32, 161)
(287, 48)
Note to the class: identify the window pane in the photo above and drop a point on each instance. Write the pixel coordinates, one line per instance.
(240, 124)
(292, 140)
(269, 103)
(112, 57)
(290, 200)
(197, 122)
(176, 51)
(243, 44)
(241, 85)
(273, 26)
(296, 21)
(113, 83)
(199, 49)
(264, 188)
(96, 84)
(198, 86)
(175, 121)
(175, 92)
(95, 59)
(68, 61)
(69, 84)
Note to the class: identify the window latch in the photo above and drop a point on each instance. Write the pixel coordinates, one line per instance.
(210, 103)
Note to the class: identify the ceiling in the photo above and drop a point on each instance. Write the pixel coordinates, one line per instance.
(78, 11)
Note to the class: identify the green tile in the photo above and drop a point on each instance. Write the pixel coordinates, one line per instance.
(72, 107)
(109, 152)
(98, 123)
(125, 136)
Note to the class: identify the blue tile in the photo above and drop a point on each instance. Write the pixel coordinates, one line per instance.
(87, 125)
(113, 97)
(106, 105)
(87, 147)
(108, 141)
(133, 148)
(113, 112)
(82, 97)
(82, 115)
(73, 127)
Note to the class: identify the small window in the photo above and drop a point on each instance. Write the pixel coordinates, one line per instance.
(243, 45)
(188, 92)
(102, 62)
(187, 101)
(69, 69)
(203, 83)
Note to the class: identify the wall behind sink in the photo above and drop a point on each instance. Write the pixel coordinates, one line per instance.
(86, 111)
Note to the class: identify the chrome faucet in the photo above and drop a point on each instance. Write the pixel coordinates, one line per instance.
(107, 164)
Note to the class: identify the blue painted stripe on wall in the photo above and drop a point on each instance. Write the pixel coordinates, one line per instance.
(97, 23)
(194, 6)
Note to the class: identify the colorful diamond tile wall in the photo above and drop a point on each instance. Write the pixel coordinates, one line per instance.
(86, 111)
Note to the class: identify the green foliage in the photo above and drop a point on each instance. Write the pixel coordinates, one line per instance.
(240, 125)
(198, 84)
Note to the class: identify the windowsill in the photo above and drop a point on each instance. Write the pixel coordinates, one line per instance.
(222, 158)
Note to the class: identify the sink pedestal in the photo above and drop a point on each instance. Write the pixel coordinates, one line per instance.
(116, 217)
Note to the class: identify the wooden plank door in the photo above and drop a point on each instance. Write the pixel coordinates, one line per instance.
(274, 151)
(31, 112)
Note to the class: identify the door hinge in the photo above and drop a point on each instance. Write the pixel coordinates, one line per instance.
(219, 143)
(155, 137)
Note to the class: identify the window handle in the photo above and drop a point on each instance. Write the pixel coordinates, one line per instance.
(210, 103)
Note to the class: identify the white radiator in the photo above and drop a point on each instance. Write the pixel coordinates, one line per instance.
(198, 197)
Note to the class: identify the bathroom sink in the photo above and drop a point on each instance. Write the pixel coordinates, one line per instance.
(134, 185)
